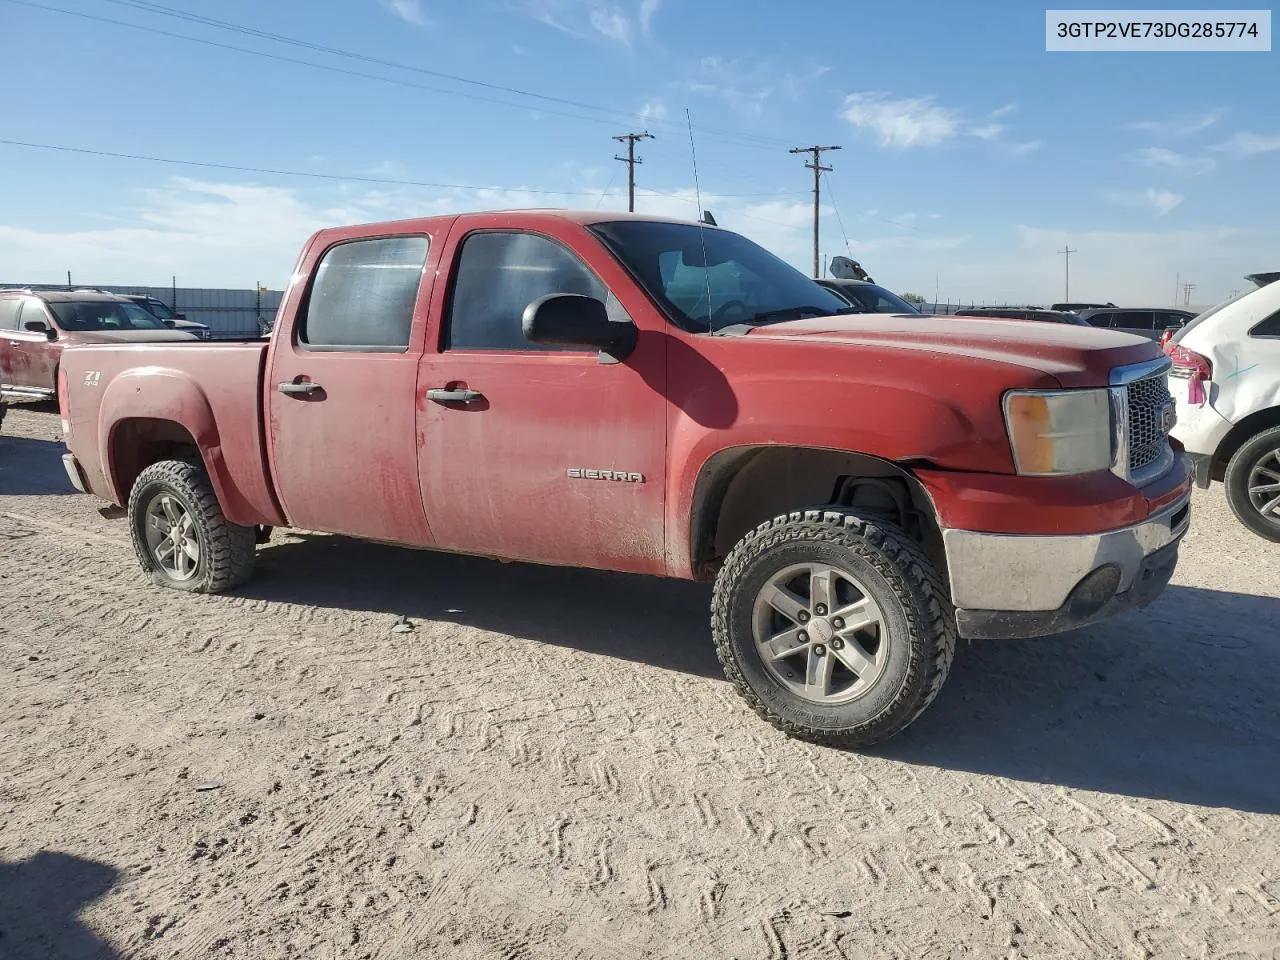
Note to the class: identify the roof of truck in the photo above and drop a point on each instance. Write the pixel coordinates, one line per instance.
(584, 217)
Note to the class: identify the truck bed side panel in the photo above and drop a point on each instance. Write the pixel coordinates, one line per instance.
(117, 394)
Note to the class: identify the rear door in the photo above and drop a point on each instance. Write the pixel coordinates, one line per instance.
(8, 324)
(35, 356)
(340, 388)
(547, 455)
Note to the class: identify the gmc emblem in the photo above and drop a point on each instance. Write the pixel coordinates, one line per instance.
(1168, 417)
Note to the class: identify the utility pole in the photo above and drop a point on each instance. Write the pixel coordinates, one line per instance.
(818, 170)
(631, 160)
(1066, 257)
(1186, 293)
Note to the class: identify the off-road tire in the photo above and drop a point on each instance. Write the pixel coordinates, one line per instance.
(227, 550)
(1236, 481)
(918, 617)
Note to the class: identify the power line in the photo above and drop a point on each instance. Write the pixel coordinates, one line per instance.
(309, 174)
(291, 173)
(631, 160)
(818, 170)
(840, 220)
(736, 138)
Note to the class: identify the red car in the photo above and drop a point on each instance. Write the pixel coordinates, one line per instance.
(35, 325)
(658, 397)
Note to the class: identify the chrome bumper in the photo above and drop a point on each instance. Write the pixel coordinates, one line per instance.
(1006, 585)
(74, 474)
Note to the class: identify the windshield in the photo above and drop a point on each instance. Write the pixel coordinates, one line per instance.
(159, 309)
(869, 298)
(737, 281)
(103, 315)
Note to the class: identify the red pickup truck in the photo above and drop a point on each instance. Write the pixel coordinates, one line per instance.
(658, 397)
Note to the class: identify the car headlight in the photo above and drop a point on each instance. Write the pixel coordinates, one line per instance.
(1059, 432)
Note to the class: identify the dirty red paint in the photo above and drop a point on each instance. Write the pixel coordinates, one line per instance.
(369, 455)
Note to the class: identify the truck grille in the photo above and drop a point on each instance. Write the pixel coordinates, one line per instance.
(1148, 439)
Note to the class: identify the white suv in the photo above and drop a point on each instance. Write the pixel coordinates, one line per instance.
(1226, 381)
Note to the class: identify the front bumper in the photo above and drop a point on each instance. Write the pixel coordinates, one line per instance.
(74, 473)
(1010, 585)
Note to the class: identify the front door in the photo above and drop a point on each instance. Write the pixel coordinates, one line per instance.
(340, 392)
(532, 453)
(34, 355)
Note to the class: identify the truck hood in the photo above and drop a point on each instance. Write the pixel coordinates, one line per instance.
(1074, 355)
(125, 336)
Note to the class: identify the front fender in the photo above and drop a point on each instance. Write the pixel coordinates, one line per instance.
(917, 422)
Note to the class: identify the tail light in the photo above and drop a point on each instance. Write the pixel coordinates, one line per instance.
(64, 408)
(1193, 366)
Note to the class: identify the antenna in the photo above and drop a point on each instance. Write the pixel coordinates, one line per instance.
(702, 231)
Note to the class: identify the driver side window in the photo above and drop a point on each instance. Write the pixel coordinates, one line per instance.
(498, 274)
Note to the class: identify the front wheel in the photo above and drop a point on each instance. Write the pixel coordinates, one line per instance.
(1252, 480)
(180, 535)
(833, 627)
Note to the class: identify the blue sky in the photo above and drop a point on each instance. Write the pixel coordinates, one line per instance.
(970, 155)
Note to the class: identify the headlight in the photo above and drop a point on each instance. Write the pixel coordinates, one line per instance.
(1053, 433)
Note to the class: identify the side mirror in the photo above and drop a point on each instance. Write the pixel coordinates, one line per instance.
(39, 326)
(179, 316)
(170, 324)
(572, 320)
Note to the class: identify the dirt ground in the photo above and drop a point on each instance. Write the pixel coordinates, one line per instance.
(549, 765)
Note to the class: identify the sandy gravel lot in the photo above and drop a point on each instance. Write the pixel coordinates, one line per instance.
(550, 765)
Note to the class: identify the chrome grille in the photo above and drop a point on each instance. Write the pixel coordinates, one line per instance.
(1148, 440)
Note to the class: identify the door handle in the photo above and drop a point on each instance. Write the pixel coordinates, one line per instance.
(305, 389)
(454, 396)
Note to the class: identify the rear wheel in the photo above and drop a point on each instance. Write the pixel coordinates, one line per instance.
(834, 628)
(1252, 480)
(180, 535)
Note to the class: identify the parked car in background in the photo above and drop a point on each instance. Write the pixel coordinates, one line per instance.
(1149, 322)
(35, 325)
(627, 393)
(868, 297)
(177, 321)
(1226, 383)
(1023, 313)
(1077, 307)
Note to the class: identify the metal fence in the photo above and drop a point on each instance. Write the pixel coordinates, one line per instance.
(229, 314)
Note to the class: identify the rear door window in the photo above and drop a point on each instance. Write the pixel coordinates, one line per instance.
(31, 310)
(363, 295)
(1135, 320)
(1270, 327)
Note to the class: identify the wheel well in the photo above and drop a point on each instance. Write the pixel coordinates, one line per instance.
(739, 489)
(139, 442)
(1239, 435)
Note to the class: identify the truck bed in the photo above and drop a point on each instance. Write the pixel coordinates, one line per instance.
(213, 389)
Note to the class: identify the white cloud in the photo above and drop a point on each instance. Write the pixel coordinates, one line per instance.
(647, 10)
(906, 122)
(1249, 144)
(1182, 125)
(748, 89)
(1158, 202)
(618, 22)
(653, 110)
(408, 10)
(1171, 160)
(1023, 148)
(987, 131)
(519, 51)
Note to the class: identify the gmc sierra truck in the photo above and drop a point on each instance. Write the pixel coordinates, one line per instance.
(658, 397)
